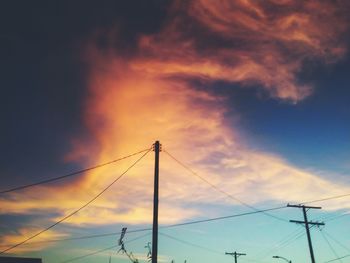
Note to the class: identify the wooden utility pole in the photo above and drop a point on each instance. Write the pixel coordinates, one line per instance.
(156, 148)
(235, 255)
(307, 223)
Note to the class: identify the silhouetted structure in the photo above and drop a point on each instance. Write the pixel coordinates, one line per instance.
(307, 223)
(235, 255)
(154, 255)
(19, 260)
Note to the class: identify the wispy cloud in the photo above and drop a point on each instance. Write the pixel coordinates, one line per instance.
(147, 97)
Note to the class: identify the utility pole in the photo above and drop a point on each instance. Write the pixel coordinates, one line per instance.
(235, 255)
(156, 149)
(307, 223)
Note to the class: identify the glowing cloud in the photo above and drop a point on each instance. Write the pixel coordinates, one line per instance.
(148, 97)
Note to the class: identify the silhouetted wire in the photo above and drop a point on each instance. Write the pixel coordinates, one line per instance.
(329, 245)
(263, 253)
(325, 218)
(191, 244)
(101, 250)
(70, 174)
(297, 237)
(83, 237)
(336, 241)
(326, 199)
(79, 209)
(224, 217)
(337, 217)
(90, 254)
(220, 190)
(162, 227)
(337, 258)
(291, 238)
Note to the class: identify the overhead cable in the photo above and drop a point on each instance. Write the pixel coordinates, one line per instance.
(336, 259)
(219, 189)
(79, 209)
(326, 199)
(17, 188)
(164, 227)
(191, 244)
(101, 250)
(330, 246)
(336, 241)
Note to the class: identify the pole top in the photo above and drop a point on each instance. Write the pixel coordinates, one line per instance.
(304, 206)
(157, 146)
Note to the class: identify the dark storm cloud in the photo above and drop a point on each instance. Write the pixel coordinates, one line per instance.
(43, 76)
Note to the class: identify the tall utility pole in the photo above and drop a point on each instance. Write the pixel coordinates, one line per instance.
(235, 255)
(307, 223)
(156, 148)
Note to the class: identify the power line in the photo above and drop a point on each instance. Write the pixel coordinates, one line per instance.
(291, 237)
(111, 247)
(164, 227)
(101, 250)
(79, 209)
(337, 217)
(90, 254)
(337, 258)
(70, 174)
(218, 189)
(224, 217)
(336, 241)
(180, 224)
(330, 246)
(326, 199)
(286, 241)
(191, 244)
(83, 237)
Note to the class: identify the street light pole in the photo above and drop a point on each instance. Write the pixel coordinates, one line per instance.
(289, 261)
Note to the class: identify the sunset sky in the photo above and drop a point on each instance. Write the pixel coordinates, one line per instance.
(249, 99)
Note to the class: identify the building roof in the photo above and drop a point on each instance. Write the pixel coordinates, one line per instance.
(19, 260)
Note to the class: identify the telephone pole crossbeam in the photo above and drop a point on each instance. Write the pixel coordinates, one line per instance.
(307, 223)
(300, 206)
(310, 222)
(235, 255)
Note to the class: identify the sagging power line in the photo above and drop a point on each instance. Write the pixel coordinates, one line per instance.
(102, 250)
(155, 226)
(79, 209)
(180, 224)
(17, 188)
(163, 227)
(219, 189)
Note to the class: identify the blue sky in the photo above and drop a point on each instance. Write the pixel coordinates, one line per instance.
(251, 96)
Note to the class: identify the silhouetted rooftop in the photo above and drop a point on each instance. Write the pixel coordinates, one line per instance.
(19, 260)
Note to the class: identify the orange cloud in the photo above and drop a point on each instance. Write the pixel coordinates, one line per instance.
(138, 100)
(249, 42)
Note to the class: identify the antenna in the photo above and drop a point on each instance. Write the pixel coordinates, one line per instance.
(123, 249)
(122, 236)
(149, 253)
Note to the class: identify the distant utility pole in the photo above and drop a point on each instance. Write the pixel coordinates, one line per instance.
(235, 255)
(156, 149)
(307, 223)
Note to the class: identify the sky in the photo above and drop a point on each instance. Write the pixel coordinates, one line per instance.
(249, 100)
